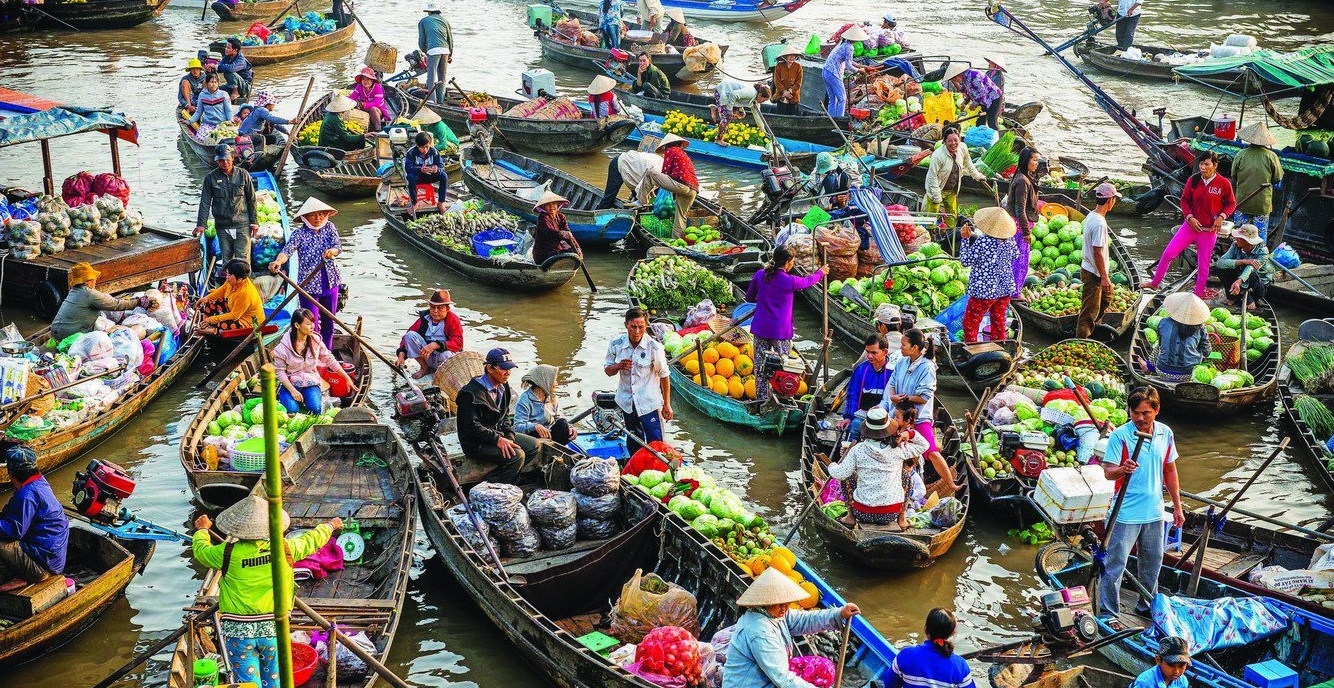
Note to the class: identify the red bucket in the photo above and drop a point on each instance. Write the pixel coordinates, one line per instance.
(338, 386)
(304, 663)
(1225, 127)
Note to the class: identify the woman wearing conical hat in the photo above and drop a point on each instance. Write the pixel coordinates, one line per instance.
(551, 234)
(315, 243)
(762, 643)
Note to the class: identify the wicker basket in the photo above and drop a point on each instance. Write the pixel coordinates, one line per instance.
(719, 323)
(454, 373)
(1229, 347)
(382, 57)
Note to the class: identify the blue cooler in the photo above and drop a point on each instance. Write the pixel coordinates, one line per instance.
(601, 447)
(1270, 674)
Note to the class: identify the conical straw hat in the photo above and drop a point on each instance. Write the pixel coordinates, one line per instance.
(1258, 134)
(994, 222)
(601, 84)
(549, 197)
(669, 140)
(340, 103)
(248, 519)
(772, 587)
(856, 33)
(426, 116)
(1186, 308)
(314, 205)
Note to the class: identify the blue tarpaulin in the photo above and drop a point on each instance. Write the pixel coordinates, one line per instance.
(62, 121)
(1218, 623)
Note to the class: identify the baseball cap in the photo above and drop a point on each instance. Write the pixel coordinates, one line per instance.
(20, 458)
(1174, 650)
(500, 358)
(1106, 190)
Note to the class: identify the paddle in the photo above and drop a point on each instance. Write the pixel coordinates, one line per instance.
(204, 14)
(383, 671)
(292, 136)
(53, 390)
(155, 648)
(283, 13)
(814, 499)
(842, 653)
(589, 278)
(1095, 571)
(850, 292)
(1295, 276)
(1202, 543)
(1315, 533)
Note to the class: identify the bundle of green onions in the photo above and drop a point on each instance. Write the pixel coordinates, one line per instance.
(1314, 367)
(999, 157)
(1316, 415)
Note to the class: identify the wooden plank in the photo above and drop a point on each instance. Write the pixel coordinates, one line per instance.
(1242, 565)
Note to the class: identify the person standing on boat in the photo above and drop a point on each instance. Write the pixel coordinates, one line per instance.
(190, 86)
(436, 335)
(677, 34)
(944, 175)
(730, 100)
(1247, 250)
(84, 303)
(229, 195)
(537, 412)
(1095, 275)
(296, 362)
(650, 80)
(1206, 203)
(245, 591)
(979, 89)
(486, 428)
(877, 464)
(772, 290)
(991, 258)
(34, 531)
(1141, 517)
(1022, 204)
(602, 97)
(333, 130)
(422, 166)
(1170, 664)
(436, 41)
(839, 61)
(1254, 167)
(368, 94)
(611, 24)
(932, 664)
(236, 305)
(1183, 342)
(913, 380)
(680, 173)
(867, 386)
(788, 76)
(236, 69)
(212, 106)
(1128, 13)
(644, 383)
(259, 121)
(762, 642)
(551, 232)
(315, 244)
(650, 14)
(641, 170)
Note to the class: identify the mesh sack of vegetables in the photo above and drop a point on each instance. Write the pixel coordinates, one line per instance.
(841, 243)
(52, 244)
(813, 669)
(597, 528)
(602, 507)
(595, 477)
(555, 539)
(647, 602)
(477, 539)
(527, 543)
(552, 509)
(74, 190)
(671, 651)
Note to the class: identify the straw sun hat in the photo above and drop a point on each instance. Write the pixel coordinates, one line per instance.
(426, 116)
(790, 50)
(1257, 134)
(954, 69)
(549, 197)
(601, 84)
(771, 587)
(248, 519)
(856, 33)
(314, 205)
(994, 222)
(1186, 308)
(669, 140)
(876, 425)
(340, 103)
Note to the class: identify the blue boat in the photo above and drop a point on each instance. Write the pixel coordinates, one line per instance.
(869, 653)
(800, 152)
(715, 10)
(264, 181)
(513, 182)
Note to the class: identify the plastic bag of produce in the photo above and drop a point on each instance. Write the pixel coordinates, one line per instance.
(28, 428)
(671, 651)
(91, 345)
(110, 207)
(78, 238)
(597, 528)
(595, 477)
(648, 602)
(500, 505)
(604, 507)
(700, 314)
(526, 544)
(638, 669)
(813, 669)
(104, 230)
(131, 224)
(664, 204)
(25, 232)
(555, 539)
(127, 347)
(76, 187)
(477, 539)
(552, 508)
(1285, 255)
(55, 223)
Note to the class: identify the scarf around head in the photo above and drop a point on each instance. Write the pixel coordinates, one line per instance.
(543, 376)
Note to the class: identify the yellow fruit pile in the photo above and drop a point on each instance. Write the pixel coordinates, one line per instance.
(782, 559)
(727, 369)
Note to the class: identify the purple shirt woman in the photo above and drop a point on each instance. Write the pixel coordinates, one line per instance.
(771, 290)
(315, 243)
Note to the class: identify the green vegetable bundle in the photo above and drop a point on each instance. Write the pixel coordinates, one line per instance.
(1001, 156)
(1315, 414)
(674, 284)
(1314, 366)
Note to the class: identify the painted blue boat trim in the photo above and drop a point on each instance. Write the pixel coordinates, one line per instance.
(875, 656)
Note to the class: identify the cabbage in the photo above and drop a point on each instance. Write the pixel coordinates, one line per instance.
(930, 249)
(235, 432)
(704, 495)
(660, 490)
(1219, 313)
(726, 525)
(214, 430)
(692, 510)
(1056, 222)
(1233, 321)
(1025, 411)
(941, 275)
(706, 524)
(1203, 374)
(676, 503)
(726, 505)
(697, 474)
(651, 478)
(227, 419)
(954, 289)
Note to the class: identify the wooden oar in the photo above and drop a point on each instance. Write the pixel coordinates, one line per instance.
(1316, 532)
(813, 500)
(53, 390)
(384, 672)
(155, 648)
(447, 467)
(283, 13)
(292, 135)
(842, 653)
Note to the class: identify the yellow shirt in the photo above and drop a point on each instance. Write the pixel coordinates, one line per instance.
(243, 303)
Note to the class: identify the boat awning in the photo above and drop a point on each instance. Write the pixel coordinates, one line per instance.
(1302, 69)
(25, 118)
(1291, 162)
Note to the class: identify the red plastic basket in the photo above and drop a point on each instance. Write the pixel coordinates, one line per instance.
(304, 662)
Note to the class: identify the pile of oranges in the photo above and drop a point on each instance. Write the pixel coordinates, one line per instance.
(726, 368)
(782, 559)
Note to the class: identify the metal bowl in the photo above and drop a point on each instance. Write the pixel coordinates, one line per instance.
(16, 348)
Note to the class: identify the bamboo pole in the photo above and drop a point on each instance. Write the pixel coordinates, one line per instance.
(292, 136)
(278, 566)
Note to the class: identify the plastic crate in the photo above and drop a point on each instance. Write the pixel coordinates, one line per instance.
(484, 241)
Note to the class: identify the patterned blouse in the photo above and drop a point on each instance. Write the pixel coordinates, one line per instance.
(992, 262)
(979, 88)
(309, 246)
(677, 165)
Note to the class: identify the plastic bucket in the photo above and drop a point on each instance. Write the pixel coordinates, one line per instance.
(206, 672)
(1225, 127)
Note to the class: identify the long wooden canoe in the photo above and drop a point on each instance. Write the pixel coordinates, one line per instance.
(811, 125)
(534, 135)
(280, 52)
(102, 567)
(265, 160)
(95, 15)
(880, 547)
(359, 470)
(1290, 292)
(1202, 399)
(1120, 322)
(513, 178)
(1289, 388)
(218, 489)
(743, 11)
(1105, 59)
(267, 10)
(594, 58)
(1140, 199)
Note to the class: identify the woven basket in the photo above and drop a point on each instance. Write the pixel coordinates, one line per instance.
(720, 322)
(41, 405)
(1229, 347)
(454, 373)
(382, 57)
(1051, 415)
(248, 461)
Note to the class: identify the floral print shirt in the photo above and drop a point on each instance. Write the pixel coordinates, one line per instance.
(979, 88)
(309, 246)
(992, 265)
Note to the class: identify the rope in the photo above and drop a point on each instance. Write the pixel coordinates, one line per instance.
(1305, 119)
(741, 79)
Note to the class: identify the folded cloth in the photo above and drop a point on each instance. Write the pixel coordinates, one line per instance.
(319, 565)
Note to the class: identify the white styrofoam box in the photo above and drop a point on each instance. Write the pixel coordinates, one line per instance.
(1102, 490)
(1073, 495)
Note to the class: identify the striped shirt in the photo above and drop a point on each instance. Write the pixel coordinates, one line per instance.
(921, 666)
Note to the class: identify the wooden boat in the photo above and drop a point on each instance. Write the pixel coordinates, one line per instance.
(279, 52)
(102, 567)
(63, 445)
(96, 15)
(513, 178)
(1062, 567)
(1288, 291)
(1139, 199)
(531, 603)
(801, 153)
(593, 58)
(543, 136)
(880, 547)
(266, 10)
(1105, 59)
(738, 266)
(811, 125)
(743, 11)
(359, 470)
(218, 489)
(1289, 388)
(1120, 322)
(510, 275)
(1201, 399)
(265, 158)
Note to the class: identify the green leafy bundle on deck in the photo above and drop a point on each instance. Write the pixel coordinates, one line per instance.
(455, 229)
(1315, 414)
(1000, 156)
(673, 283)
(1314, 366)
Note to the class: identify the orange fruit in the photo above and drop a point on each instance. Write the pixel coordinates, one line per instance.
(786, 555)
(748, 350)
(735, 388)
(782, 565)
(757, 565)
(710, 370)
(725, 367)
(719, 386)
(711, 355)
(727, 350)
(698, 380)
(814, 593)
(692, 356)
(692, 366)
(749, 387)
(744, 364)
(796, 577)
(802, 388)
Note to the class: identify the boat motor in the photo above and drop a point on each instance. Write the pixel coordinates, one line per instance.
(1067, 615)
(1026, 451)
(99, 490)
(783, 372)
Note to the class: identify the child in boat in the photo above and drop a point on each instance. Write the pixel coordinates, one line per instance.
(1172, 660)
(877, 463)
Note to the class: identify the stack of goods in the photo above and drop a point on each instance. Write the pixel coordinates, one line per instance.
(596, 484)
(554, 514)
(85, 224)
(1217, 371)
(213, 135)
(1054, 418)
(1000, 160)
(659, 622)
(1088, 364)
(1313, 366)
(25, 238)
(1234, 45)
(700, 236)
(246, 420)
(53, 216)
(456, 228)
(692, 127)
(111, 212)
(83, 188)
(1053, 284)
(308, 25)
(310, 134)
(271, 237)
(569, 30)
(476, 533)
(501, 506)
(542, 108)
(673, 284)
(931, 284)
(725, 368)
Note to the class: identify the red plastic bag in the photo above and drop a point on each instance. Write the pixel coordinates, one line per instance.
(1065, 393)
(111, 184)
(260, 31)
(656, 679)
(644, 460)
(75, 190)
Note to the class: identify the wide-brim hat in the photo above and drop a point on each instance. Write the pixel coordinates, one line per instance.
(549, 197)
(790, 50)
(248, 519)
(441, 298)
(431, 6)
(194, 63)
(675, 14)
(369, 74)
(825, 162)
(876, 425)
(771, 587)
(81, 273)
(856, 33)
(340, 103)
(426, 116)
(954, 69)
(1248, 233)
(890, 18)
(601, 84)
(1186, 308)
(998, 60)
(314, 205)
(994, 222)
(669, 140)
(1257, 134)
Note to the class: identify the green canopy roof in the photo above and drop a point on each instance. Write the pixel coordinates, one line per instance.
(1304, 68)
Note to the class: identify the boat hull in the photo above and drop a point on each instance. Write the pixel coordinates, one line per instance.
(280, 52)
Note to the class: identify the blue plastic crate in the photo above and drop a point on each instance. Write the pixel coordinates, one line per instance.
(1270, 674)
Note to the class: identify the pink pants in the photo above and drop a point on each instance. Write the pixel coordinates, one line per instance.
(1204, 248)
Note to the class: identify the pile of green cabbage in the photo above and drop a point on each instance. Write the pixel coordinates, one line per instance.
(713, 511)
(930, 285)
(1206, 374)
(247, 420)
(1259, 333)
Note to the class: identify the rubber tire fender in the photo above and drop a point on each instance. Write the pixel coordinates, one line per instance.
(318, 160)
(979, 366)
(47, 298)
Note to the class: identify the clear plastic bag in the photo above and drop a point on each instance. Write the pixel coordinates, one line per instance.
(597, 528)
(526, 544)
(595, 477)
(602, 508)
(555, 539)
(496, 502)
(647, 602)
(552, 509)
(477, 539)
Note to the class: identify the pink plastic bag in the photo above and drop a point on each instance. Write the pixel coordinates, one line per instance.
(76, 188)
(111, 184)
(814, 670)
(657, 679)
